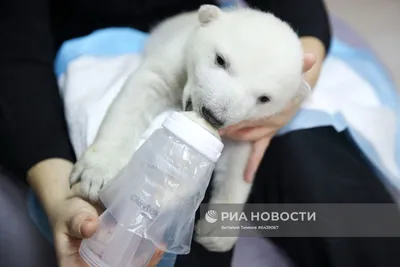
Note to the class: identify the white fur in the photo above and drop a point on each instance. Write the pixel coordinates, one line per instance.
(264, 57)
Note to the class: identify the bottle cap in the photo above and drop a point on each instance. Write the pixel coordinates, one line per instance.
(196, 132)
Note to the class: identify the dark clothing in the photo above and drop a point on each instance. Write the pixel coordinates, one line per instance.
(329, 169)
(308, 166)
(21, 242)
(32, 124)
(315, 166)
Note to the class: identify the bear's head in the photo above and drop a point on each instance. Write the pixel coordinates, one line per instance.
(242, 64)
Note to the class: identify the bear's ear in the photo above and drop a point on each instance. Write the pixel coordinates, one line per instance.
(208, 13)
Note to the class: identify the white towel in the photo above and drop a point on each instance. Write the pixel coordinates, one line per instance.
(90, 84)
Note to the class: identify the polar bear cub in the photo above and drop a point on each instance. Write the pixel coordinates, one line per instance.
(227, 65)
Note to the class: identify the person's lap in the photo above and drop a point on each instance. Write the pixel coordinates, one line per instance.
(315, 166)
(312, 166)
(323, 166)
(21, 244)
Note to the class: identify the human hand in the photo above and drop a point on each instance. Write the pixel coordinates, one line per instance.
(72, 219)
(262, 131)
(75, 220)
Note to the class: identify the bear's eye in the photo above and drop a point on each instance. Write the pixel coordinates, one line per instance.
(220, 61)
(264, 99)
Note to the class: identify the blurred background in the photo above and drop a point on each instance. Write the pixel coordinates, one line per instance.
(378, 22)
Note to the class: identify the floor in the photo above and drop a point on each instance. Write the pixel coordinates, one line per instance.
(378, 22)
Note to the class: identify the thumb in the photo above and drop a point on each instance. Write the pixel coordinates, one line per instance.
(82, 225)
(308, 61)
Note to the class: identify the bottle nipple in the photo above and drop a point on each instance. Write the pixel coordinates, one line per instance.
(194, 116)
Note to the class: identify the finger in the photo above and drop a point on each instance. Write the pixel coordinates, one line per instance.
(256, 156)
(250, 134)
(156, 258)
(238, 126)
(308, 61)
(82, 225)
(89, 228)
(254, 134)
(241, 131)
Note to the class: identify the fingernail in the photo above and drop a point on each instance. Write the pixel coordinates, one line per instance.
(85, 222)
(80, 228)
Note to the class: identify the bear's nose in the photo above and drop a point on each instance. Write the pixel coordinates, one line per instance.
(209, 116)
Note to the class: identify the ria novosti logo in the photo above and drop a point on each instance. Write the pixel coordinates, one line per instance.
(211, 216)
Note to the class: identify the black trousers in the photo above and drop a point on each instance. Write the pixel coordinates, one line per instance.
(315, 166)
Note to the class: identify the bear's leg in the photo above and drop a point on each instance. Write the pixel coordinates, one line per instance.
(228, 187)
(144, 96)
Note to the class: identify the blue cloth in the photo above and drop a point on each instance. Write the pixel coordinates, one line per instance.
(119, 41)
(365, 64)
